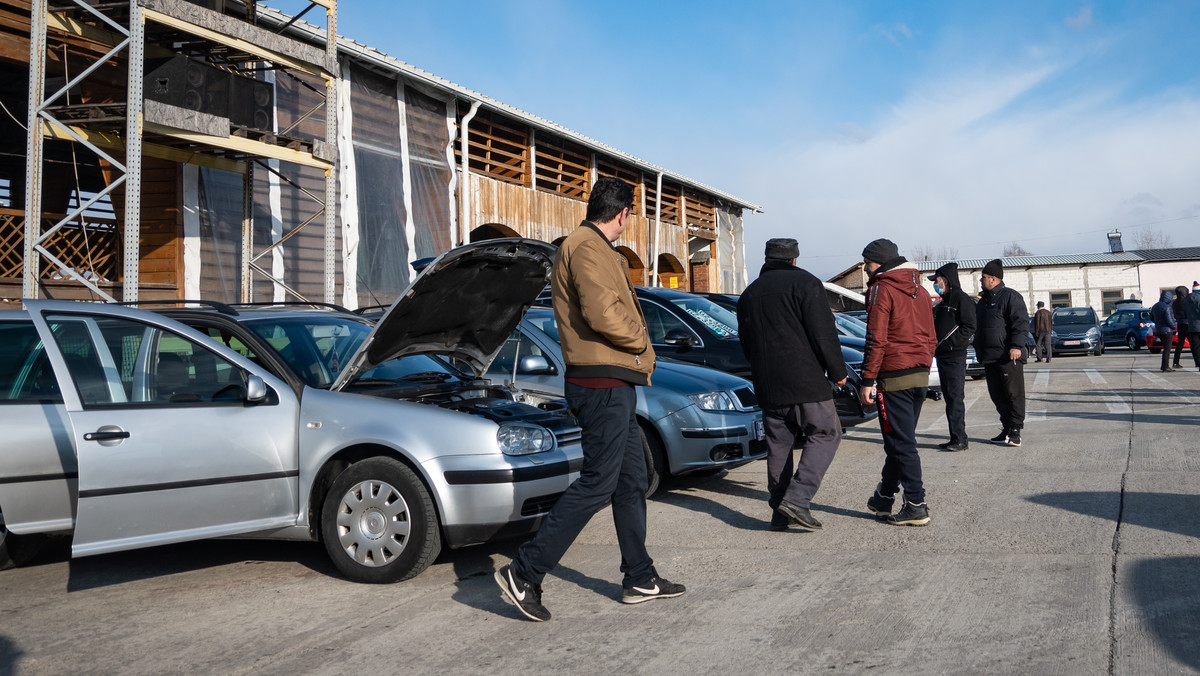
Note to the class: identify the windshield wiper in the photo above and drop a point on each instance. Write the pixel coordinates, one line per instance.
(427, 377)
(372, 381)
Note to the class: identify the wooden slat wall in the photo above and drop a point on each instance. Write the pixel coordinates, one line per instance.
(607, 167)
(499, 146)
(564, 167)
(161, 223)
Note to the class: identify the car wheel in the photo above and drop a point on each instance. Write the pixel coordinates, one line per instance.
(17, 550)
(1132, 342)
(656, 460)
(1099, 349)
(378, 523)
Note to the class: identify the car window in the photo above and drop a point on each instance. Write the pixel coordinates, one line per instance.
(721, 322)
(545, 322)
(517, 347)
(114, 360)
(316, 347)
(1084, 315)
(26, 375)
(660, 322)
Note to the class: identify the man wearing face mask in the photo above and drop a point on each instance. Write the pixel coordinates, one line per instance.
(954, 324)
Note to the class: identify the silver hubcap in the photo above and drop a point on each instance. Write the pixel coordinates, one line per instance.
(373, 523)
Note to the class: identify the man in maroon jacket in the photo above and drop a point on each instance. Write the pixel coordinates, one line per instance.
(899, 351)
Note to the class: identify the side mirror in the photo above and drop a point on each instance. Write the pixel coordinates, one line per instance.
(535, 365)
(679, 338)
(256, 389)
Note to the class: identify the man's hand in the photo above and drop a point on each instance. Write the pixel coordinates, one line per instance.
(1014, 354)
(840, 382)
(867, 394)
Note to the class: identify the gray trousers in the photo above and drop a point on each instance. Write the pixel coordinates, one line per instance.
(817, 423)
(1042, 346)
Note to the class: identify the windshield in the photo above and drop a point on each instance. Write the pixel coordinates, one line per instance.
(849, 326)
(1075, 315)
(545, 322)
(720, 322)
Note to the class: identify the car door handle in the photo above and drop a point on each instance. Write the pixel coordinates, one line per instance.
(105, 436)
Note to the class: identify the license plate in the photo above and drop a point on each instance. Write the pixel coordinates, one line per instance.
(759, 433)
(1070, 342)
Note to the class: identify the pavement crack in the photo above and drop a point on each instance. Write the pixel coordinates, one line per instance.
(1116, 540)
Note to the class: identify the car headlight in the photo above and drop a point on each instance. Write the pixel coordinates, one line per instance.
(1093, 332)
(1053, 335)
(524, 439)
(713, 401)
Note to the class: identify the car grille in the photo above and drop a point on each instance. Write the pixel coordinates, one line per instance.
(539, 505)
(856, 367)
(746, 397)
(569, 435)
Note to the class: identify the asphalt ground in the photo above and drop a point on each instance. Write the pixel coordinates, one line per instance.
(1077, 553)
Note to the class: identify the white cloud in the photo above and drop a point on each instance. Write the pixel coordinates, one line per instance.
(892, 33)
(1080, 20)
(953, 166)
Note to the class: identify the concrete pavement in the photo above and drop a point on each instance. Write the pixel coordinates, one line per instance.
(1076, 553)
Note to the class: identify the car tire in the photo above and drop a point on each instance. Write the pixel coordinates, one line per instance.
(1131, 342)
(656, 460)
(17, 550)
(1099, 350)
(378, 523)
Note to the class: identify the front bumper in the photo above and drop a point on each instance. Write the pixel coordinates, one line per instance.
(696, 440)
(1075, 345)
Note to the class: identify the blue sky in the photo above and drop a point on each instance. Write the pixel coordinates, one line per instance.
(945, 125)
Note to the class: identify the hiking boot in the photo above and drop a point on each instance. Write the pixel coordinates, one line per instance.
(879, 504)
(779, 521)
(956, 446)
(1001, 438)
(526, 596)
(798, 515)
(1014, 438)
(655, 588)
(911, 514)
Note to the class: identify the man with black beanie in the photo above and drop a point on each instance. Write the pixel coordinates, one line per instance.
(954, 322)
(896, 361)
(787, 331)
(1002, 321)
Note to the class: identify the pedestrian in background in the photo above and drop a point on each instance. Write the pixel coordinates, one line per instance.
(954, 324)
(1164, 326)
(1002, 322)
(1192, 306)
(1178, 307)
(895, 369)
(1043, 325)
(607, 350)
(787, 332)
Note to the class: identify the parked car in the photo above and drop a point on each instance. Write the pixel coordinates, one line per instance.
(129, 428)
(1076, 330)
(1154, 344)
(1127, 325)
(852, 332)
(692, 418)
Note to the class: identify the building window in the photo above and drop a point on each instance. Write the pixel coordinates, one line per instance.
(1110, 297)
(1060, 299)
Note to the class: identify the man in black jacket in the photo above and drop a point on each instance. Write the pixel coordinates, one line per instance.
(1002, 322)
(787, 331)
(954, 322)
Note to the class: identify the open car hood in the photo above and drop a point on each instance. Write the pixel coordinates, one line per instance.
(464, 305)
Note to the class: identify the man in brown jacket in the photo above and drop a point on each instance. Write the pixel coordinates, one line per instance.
(1043, 324)
(607, 349)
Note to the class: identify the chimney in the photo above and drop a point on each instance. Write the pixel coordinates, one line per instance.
(1114, 242)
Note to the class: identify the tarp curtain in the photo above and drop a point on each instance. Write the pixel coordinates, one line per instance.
(731, 252)
(220, 210)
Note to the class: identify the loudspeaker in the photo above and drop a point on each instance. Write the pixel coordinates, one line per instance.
(186, 83)
(251, 103)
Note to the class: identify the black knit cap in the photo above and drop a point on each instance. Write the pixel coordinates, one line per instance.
(881, 251)
(994, 268)
(782, 248)
(949, 271)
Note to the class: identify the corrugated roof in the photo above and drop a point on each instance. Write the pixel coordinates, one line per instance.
(1176, 254)
(391, 63)
(1036, 261)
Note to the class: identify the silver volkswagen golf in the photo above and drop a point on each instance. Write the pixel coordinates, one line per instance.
(128, 428)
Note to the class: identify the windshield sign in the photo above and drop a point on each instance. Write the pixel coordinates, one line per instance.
(718, 320)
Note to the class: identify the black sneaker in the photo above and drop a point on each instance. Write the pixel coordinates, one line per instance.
(655, 588)
(1014, 438)
(1001, 438)
(956, 446)
(880, 504)
(798, 515)
(911, 515)
(779, 520)
(526, 596)
(945, 444)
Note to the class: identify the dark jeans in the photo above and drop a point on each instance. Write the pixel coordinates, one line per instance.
(953, 372)
(1042, 346)
(1164, 341)
(1006, 386)
(818, 422)
(1183, 332)
(1194, 341)
(614, 466)
(898, 414)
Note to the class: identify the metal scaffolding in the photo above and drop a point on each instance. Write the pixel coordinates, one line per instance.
(123, 134)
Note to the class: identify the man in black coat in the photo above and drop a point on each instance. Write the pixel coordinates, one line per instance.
(1002, 322)
(954, 323)
(787, 331)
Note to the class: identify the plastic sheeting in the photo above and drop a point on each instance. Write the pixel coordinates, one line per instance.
(731, 250)
(219, 205)
(428, 137)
